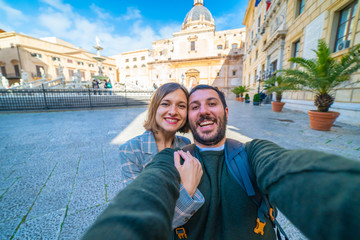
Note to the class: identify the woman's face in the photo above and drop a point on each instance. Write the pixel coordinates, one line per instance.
(172, 112)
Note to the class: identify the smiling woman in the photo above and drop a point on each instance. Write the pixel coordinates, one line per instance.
(167, 114)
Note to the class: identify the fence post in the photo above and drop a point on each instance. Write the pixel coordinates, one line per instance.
(126, 101)
(43, 88)
(89, 96)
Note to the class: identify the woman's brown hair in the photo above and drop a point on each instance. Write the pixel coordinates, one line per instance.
(159, 94)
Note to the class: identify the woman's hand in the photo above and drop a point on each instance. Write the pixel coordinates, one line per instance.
(190, 171)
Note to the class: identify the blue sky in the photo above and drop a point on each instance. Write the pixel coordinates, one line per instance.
(121, 25)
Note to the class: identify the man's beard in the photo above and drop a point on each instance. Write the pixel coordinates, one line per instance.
(220, 134)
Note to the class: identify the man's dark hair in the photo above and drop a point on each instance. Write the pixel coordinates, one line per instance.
(203, 86)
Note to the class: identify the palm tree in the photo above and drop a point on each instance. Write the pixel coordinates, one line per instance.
(242, 90)
(323, 74)
(278, 84)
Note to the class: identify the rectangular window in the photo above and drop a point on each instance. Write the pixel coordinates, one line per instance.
(300, 7)
(56, 59)
(81, 63)
(192, 45)
(92, 74)
(134, 59)
(70, 61)
(127, 60)
(17, 70)
(234, 73)
(345, 26)
(220, 47)
(71, 73)
(57, 72)
(3, 71)
(82, 75)
(296, 48)
(218, 74)
(142, 58)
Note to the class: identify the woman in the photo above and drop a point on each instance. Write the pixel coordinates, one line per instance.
(167, 114)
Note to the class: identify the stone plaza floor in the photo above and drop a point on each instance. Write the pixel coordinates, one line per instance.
(59, 170)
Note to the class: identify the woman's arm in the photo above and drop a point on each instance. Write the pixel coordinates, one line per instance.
(130, 163)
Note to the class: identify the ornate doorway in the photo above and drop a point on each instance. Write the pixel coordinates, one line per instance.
(192, 78)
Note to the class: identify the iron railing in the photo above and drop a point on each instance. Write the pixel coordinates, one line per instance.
(36, 99)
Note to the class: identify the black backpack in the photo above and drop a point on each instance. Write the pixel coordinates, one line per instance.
(238, 165)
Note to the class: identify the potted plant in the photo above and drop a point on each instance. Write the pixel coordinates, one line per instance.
(256, 99)
(278, 84)
(247, 98)
(242, 90)
(323, 75)
(237, 93)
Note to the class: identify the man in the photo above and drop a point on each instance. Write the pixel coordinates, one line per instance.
(318, 192)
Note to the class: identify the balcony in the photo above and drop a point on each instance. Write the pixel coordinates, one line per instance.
(12, 75)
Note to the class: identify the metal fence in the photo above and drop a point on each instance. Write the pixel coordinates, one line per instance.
(34, 99)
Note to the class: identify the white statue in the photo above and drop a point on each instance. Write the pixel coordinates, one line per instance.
(97, 41)
(61, 75)
(5, 82)
(77, 78)
(24, 78)
(43, 77)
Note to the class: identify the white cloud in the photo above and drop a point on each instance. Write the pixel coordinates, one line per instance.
(100, 12)
(230, 20)
(131, 14)
(12, 14)
(117, 34)
(58, 5)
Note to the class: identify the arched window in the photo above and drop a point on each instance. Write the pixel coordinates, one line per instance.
(127, 67)
(234, 46)
(135, 66)
(219, 47)
(143, 66)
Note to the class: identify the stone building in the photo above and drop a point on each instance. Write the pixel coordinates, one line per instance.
(278, 30)
(20, 51)
(197, 54)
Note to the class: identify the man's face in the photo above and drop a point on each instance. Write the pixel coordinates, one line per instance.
(207, 118)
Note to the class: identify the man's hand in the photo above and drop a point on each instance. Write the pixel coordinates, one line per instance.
(190, 172)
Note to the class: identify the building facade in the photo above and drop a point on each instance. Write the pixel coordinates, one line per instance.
(278, 30)
(197, 54)
(19, 51)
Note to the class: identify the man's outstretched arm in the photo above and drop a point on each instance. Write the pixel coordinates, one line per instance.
(318, 192)
(145, 208)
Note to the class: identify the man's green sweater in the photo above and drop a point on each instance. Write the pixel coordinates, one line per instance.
(228, 213)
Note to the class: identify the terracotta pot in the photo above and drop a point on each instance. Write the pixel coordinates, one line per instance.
(322, 121)
(237, 98)
(241, 99)
(277, 106)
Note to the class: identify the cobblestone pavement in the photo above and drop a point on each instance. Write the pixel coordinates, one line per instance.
(59, 170)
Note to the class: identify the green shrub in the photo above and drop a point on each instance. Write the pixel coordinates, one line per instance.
(247, 97)
(256, 98)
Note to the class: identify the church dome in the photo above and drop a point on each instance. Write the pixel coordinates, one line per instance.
(198, 15)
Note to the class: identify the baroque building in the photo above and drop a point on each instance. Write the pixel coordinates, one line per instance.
(20, 51)
(278, 30)
(197, 54)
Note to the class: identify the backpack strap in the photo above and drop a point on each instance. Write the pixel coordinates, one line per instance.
(237, 162)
